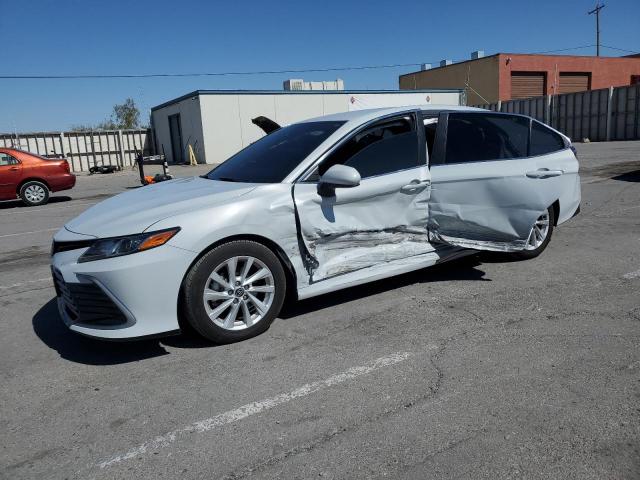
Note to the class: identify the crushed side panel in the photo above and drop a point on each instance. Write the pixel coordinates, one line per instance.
(379, 223)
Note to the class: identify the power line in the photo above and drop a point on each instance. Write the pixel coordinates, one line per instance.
(620, 49)
(262, 72)
(206, 74)
(563, 49)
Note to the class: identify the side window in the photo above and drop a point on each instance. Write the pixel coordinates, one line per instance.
(430, 127)
(6, 159)
(544, 140)
(473, 137)
(384, 148)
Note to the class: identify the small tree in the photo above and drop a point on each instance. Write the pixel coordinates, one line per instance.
(126, 115)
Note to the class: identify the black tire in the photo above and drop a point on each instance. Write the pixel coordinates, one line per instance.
(528, 254)
(28, 190)
(198, 277)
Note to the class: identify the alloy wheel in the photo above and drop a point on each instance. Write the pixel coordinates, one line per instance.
(35, 193)
(539, 232)
(239, 293)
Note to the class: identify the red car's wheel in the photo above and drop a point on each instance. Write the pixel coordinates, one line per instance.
(34, 193)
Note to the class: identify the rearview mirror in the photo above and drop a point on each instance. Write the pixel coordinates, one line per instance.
(338, 176)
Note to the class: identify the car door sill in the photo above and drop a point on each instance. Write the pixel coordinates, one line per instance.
(377, 272)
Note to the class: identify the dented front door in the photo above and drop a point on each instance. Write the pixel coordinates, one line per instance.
(381, 220)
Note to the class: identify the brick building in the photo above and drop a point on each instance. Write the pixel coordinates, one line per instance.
(507, 76)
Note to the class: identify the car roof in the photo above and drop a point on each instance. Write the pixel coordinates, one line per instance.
(361, 116)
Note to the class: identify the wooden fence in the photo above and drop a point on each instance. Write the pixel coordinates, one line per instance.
(85, 149)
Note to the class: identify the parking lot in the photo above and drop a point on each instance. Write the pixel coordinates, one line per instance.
(474, 369)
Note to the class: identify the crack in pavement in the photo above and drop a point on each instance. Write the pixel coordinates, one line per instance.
(434, 391)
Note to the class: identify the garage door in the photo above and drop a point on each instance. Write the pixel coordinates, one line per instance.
(574, 82)
(527, 84)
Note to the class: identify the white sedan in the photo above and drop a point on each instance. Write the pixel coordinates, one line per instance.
(308, 209)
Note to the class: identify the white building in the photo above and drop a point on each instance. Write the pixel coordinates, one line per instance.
(300, 84)
(217, 123)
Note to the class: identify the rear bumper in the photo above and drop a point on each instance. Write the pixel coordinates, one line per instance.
(62, 182)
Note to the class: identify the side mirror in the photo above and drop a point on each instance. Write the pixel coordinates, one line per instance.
(338, 176)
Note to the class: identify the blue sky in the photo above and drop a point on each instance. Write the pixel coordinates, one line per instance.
(64, 37)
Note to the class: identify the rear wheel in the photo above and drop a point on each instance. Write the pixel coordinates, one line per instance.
(34, 193)
(234, 291)
(539, 236)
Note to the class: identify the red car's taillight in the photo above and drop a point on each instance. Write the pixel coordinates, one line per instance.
(65, 166)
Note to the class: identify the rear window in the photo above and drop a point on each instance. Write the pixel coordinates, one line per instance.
(273, 157)
(473, 137)
(544, 140)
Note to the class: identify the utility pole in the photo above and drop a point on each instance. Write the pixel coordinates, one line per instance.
(597, 13)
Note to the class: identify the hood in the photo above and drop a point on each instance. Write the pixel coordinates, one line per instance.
(134, 211)
(266, 124)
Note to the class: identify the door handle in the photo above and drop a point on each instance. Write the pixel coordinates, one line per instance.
(13, 169)
(415, 185)
(544, 173)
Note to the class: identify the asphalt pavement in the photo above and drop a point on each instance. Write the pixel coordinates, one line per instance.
(474, 369)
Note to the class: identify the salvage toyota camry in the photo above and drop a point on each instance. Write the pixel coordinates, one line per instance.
(308, 209)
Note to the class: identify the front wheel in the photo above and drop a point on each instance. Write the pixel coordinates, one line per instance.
(234, 291)
(539, 236)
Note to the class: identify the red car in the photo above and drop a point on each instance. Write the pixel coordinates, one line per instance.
(31, 177)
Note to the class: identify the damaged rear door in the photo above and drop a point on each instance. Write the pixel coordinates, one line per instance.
(488, 186)
(383, 219)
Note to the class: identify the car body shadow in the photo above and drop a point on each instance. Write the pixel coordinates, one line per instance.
(20, 204)
(462, 269)
(633, 176)
(48, 326)
(72, 346)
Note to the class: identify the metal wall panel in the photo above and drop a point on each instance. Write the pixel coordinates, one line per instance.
(250, 107)
(293, 108)
(334, 104)
(625, 113)
(220, 126)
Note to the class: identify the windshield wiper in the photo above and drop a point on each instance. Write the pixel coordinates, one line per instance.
(221, 179)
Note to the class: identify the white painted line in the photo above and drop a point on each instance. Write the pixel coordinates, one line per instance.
(29, 233)
(631, 275)
(24, 283)
(254, 408)
(55, 208)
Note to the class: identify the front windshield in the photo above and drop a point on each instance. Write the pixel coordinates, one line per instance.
(273, 157)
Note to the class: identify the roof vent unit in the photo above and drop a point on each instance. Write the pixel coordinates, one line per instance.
(444, 63)
(293, 84)
(425, 66)
(477, 54)
(299, 84)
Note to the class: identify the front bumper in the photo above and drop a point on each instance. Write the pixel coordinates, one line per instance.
(124, 297)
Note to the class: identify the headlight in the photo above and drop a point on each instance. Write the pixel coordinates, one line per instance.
(118, 246)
